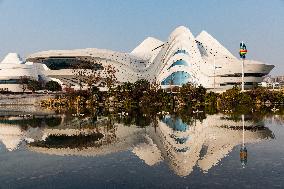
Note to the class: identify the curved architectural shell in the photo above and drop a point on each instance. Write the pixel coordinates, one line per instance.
(179, 60)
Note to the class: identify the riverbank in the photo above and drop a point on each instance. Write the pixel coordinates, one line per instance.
(23, 99)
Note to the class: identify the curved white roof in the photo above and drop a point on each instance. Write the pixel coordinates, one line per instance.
(12, 58)
(181, 30)
(146, 48)
(212, 45)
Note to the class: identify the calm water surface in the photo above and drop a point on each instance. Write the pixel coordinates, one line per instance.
(48, 150)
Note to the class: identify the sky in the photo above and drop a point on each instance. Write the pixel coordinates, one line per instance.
(28, 26)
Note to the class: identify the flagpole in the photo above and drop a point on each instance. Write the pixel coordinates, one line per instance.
(243, 75)
(243, 51)
(243, 151)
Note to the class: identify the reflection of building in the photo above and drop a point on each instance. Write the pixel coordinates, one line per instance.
(204, 144)
(71, 137)
(180, 59)
(11, 136)
(180, 145)
(15, 130)
(123, 140)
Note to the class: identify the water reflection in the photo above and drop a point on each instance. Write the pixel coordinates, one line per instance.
(15, 130)
(203, 143)
(182, 145)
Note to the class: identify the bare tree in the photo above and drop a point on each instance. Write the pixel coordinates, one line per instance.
(109, 76)
(88, 73)
(93, 78)
(80, 74)
(24, 80)
(94, 74)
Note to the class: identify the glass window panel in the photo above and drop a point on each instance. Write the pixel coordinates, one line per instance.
(177, 78)
(179, 63)
(181, 52)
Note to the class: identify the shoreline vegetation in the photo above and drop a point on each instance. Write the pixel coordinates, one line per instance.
(146, 96)
(151, 98)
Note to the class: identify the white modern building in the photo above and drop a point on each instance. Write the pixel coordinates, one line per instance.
(13, 69)
(183, 58)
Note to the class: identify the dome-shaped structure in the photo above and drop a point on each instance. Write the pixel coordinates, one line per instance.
(181, 30)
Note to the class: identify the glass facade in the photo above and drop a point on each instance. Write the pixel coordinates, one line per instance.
(10, 81)
(179, 63)
(181, 140)
(176, 124)
(201, 49)
(181, 52)
(246, 75)
(177, 78)
(57, 63)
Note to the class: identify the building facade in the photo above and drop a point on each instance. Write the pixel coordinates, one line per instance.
(183, 58)
(12, 71)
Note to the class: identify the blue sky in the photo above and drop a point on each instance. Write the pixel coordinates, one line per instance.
(28, 26)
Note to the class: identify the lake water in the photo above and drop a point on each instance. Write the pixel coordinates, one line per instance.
(56, 150)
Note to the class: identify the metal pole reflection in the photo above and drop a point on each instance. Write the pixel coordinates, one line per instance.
(243, 151)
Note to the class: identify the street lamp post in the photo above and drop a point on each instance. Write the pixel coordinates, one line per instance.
(214, 72)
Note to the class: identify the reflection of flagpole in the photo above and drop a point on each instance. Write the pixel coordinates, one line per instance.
(243, 151)
(243, 119)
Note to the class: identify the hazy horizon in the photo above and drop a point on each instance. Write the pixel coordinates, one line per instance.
(34, 25)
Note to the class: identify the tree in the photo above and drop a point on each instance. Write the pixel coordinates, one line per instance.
(187, 94)
(88, 73)
(109, 76)
(231, 98)
(24, 80)
(139, 88)
(34, 85)
(93, 78)
(211, 98)
(80, 75)
(53, 86)
(200, 94)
